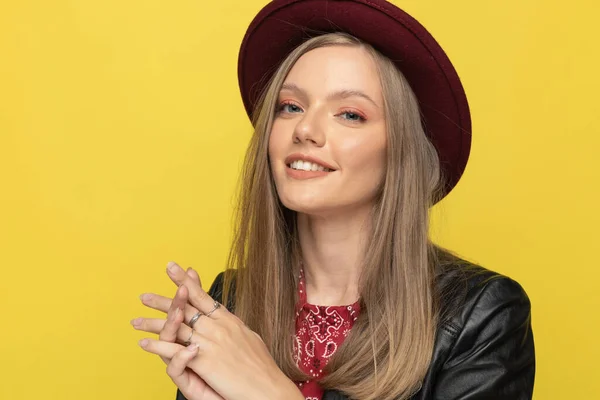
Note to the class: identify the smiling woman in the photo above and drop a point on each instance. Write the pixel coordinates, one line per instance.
(334, 290)
(322, 120)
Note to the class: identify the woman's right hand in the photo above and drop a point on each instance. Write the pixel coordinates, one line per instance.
(168, 332)
(189, 383)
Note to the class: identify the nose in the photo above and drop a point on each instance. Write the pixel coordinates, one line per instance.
(310, 130)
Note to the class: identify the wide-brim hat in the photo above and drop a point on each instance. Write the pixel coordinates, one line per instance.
(282, 25)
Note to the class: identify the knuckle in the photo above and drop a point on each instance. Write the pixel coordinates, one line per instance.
(144, 325)
(237, 328)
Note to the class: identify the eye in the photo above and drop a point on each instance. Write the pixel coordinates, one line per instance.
(289, 107)
(353, 116)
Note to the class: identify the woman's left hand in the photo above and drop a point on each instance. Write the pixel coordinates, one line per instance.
(232, 359)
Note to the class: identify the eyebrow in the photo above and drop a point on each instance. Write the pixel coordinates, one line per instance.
(338, 94)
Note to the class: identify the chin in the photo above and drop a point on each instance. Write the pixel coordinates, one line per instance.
(306, 205)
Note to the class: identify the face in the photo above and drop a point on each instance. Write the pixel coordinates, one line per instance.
(327, 147)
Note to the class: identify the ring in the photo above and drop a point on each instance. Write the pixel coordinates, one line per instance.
(189, 340)
(216, 306)
(195, 318)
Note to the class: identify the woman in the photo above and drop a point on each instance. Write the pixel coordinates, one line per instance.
(334, 290)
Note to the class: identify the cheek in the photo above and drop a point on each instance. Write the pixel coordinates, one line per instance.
(277, 142)
(278, 149)
(365, 157)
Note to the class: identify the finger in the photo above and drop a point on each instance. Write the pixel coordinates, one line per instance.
(152, 325)
(176, 273)
(160, 348)
(174, 319)
(156, 301)
(181, 334)
(177, 368)
(174, 316)
(156, 325)
(197, 296)
(180, 277)
(194, 275)
(161, 303)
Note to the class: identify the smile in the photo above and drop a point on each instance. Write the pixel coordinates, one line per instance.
(300, 165)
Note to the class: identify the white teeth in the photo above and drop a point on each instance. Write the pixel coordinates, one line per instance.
(307, 166)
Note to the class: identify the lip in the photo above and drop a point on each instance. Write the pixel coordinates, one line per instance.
(302, 175)
(305, 157)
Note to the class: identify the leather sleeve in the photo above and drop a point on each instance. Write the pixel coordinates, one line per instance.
(216, 292)
(493, 357)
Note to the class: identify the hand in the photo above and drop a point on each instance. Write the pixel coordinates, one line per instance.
(189, 383)
(231, 358)
(156, 325)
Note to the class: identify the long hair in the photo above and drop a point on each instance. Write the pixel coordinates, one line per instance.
(388, 351)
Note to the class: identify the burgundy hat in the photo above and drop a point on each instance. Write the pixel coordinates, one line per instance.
(282, 25)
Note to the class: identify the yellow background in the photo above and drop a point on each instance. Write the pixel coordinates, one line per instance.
(121, 136)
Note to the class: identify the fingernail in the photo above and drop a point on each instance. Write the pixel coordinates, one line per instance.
(172, 267)
(192, 347)
(145, 297)
(136, 322)
(177, 311)
(143, 343)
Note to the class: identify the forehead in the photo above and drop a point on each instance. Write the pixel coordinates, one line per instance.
(336, 68)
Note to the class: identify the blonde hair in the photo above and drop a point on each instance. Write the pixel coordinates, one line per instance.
(388, 351)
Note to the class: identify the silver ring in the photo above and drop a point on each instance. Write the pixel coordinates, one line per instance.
(189, 339)
(195, 318)
(216, 306)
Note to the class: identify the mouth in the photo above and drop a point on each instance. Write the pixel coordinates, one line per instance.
(300, 165)
(306, 163)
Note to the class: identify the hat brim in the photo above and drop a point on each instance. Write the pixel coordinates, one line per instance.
(282, 25)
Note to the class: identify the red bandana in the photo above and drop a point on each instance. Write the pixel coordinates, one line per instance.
(320, 330)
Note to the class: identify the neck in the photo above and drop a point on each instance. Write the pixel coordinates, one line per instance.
(332, 250)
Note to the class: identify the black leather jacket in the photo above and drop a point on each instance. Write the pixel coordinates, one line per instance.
(484, 347)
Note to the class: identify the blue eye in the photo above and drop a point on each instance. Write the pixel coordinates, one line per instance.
(353, 117)
(289, 108)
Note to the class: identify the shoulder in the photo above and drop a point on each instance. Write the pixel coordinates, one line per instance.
(484, 345)
(467, 291)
